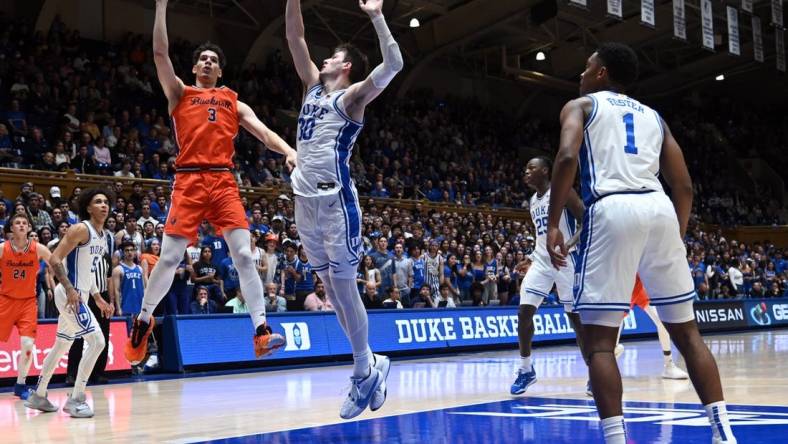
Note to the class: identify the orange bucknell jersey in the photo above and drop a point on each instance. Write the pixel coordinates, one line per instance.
(205, 123)
(639, 295)
(19, 271)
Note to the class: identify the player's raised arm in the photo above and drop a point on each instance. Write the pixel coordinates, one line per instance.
(674, 170)
(294, 29)
(361, 93)
(270, 139)
(170, 83)
(564, 169)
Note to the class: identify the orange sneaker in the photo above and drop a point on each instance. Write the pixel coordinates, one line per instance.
(265, 344)
(136, 348)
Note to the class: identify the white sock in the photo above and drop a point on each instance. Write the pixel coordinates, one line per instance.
(615, 432)
(352, 315)
(525, 363)
(95, 342)
(25, 358)
(60, 347)
(667, 356)
(239, 243)
(718, 418)
(172, 248)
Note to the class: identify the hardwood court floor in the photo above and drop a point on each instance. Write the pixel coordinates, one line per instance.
(754, 367)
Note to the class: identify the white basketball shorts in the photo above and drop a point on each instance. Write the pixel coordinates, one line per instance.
(72, 325)
(627, 234)
(540, 279)
(330, 231)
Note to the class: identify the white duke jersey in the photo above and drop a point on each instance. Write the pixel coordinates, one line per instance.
(539, 211)
(621, 147)
(83, 261)
(325, 138)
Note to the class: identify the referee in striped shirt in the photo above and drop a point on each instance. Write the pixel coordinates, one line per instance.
(103, 281)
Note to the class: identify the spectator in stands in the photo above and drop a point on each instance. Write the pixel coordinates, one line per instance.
(271, 259)
(477, 294)
(403, 274)
(125, 170)
(290, 274)
(384, 262)
(3, 214)
(306, 284)
(205, 275)
(102, 156)
(393, 300)
(446, 298)
(38, 216)
(202, 304)
(146, 216)
(317, 300)
(83, 162)
(423, 298)
(150, 258)
(238, 303)
(370, 296)
(274, 303)
(228, 274)
(368, 273)
(757, 291)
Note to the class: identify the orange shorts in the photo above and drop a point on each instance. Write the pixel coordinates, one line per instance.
(639, 295)
(22, 313)
(204, 195)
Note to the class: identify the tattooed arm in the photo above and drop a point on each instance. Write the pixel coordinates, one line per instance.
(75, 235)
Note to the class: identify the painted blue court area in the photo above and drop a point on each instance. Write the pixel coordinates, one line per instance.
(540, 420)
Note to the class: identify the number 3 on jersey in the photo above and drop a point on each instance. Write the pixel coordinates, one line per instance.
(212, 114)
(306, 126)
(629, 124)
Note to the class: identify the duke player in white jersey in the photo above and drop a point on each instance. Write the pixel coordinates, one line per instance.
(630, 227)
(326, 205)
(74, 263)
(541, 275)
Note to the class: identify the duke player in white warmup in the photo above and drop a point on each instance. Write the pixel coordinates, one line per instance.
(79, 251)
(326, 204)
(630, 227)
(541, 275)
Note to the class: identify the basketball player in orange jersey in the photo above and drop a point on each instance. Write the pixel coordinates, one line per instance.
(19, 258)
(205, 119)
(640, 298)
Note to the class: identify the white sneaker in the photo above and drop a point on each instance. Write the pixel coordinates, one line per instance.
(361, 391)
(383, 364)
(618, 351)
(39, 402)
(78, 407)
(673, 372)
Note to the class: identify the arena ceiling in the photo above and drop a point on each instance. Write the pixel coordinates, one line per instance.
(501, 38)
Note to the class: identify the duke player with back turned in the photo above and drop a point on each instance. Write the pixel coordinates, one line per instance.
(630, 227)
(326, 205)
(541, 275)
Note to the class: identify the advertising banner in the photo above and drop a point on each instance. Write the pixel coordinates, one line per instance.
(765, 313)
(9, 351)
(707, 24)
(227, 338)
(733, 31)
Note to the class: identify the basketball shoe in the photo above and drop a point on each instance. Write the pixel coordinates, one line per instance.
(361, 392)
(136, 348)
(266, 342)
(383, 364)
(524, 380)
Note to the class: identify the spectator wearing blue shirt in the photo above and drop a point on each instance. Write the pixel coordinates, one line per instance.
(218, 247)
(290, 275)
(229, 276)
(257, 222)
(306, 285)
(384, 262)
(419, 271)
(159, 209)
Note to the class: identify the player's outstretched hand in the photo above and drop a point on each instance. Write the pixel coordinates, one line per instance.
(290, 161)
(556, 248)
(73, 300)
(371, 7)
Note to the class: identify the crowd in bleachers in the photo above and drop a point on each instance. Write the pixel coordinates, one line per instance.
(96, 107)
